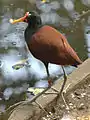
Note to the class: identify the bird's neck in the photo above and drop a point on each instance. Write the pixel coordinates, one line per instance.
(29, 32)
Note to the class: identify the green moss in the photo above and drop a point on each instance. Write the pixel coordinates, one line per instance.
(80, 7)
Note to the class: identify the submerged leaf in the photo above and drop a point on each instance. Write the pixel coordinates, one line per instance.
(20, 64)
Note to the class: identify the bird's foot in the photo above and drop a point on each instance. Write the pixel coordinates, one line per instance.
(58, 93)
(48, 113)
(64, 91)
(67, 107)
(54, 89)
(62, 94)
(40, 106)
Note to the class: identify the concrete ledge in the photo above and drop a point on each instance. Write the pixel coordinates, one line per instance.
(33, 112)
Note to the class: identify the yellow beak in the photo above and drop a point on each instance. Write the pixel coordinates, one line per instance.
(19, 20)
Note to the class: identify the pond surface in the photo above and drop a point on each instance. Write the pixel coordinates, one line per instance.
(64, 15)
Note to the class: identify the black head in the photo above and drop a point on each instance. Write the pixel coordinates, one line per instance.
(32, 18)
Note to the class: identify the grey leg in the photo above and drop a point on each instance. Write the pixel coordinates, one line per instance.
(62, 89)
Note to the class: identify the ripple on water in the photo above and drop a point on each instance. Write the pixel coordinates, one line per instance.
(54, 18)
(2, 108)
(68, 5)
(86, 2)
(7, 93)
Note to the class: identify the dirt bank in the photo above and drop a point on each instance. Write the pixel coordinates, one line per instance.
(77, 97)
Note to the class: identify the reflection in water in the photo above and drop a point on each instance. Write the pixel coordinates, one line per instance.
(54, 18)
(20, 89)
(7, 93)
(74, 15)
(88, 20)
(1, 63)
(68, 5)
(60, 14)
(47, 7)
(2, 108)
(86, 2)
(41, 83)
(8, 72)
(87, 37)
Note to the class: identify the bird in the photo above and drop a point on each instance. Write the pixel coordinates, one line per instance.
(47, 44)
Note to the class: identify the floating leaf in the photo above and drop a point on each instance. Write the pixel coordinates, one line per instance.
(35, 91)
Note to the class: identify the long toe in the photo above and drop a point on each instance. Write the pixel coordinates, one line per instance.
(54, 89)
(64, 100)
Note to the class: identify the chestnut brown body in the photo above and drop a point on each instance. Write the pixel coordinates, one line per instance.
(49, 45)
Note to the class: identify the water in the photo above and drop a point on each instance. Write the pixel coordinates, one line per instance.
(63, 15)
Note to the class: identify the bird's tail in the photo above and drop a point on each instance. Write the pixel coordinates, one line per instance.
(77, 63)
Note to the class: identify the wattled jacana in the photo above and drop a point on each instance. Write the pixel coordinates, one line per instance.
(47, 44)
